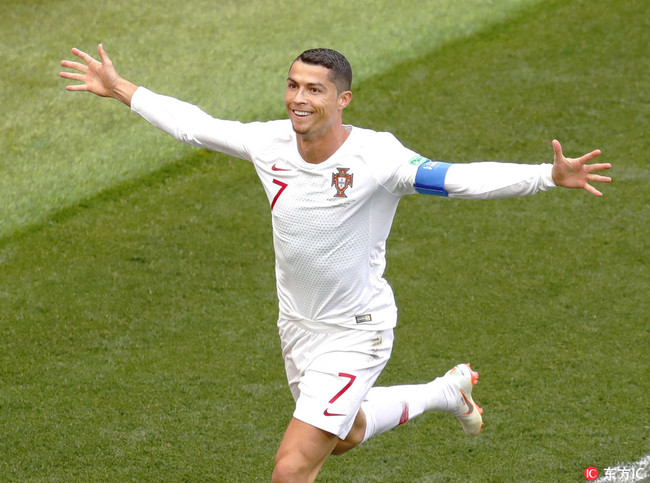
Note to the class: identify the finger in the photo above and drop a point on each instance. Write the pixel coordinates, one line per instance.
(74, 65)
(599, 178)
(82, 55)
(557, 148)
(589, 156)
(102, 54)
(591, 168)
(78, 87)
(592, 190)
(72, 76)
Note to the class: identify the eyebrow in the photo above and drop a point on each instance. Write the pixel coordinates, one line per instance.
(309, 84)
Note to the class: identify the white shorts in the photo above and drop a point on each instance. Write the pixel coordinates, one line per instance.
(330, 371)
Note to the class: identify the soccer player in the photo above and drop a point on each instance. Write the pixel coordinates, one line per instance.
(333, 190)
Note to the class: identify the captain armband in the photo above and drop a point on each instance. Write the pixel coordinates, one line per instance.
(430, 178)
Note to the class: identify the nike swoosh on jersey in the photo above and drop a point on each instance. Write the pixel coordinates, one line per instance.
(327, 413)
(470, 406)
(275, 168)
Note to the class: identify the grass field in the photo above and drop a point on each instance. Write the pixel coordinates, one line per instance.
(53, 157)
(137, 299)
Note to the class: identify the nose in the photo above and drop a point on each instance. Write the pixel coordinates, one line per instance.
(299, 96)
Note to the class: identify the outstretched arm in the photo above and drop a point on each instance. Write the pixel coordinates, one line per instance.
(98, 76)
(491, 180)
(576, 173)
(182, 120)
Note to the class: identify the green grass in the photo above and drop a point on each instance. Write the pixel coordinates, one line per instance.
(228, 57)
(137, 326)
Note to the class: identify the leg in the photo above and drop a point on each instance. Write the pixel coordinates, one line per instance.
(329, 374)
(355, 437)
(305, 448)
(302, 453)
(393, 406)
(388, 407)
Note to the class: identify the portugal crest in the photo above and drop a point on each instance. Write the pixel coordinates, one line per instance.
(341, 181)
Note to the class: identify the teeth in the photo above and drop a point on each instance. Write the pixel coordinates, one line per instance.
(301, 113)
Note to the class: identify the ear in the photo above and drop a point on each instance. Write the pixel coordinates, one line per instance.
(344, 99)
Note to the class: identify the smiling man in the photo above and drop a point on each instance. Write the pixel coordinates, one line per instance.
(333, 190)
(315, 98)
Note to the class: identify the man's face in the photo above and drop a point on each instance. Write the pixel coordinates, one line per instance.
(312, 101)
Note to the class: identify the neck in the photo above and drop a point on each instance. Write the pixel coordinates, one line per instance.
(316, 149)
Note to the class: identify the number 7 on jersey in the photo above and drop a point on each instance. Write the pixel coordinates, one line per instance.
(277, 195)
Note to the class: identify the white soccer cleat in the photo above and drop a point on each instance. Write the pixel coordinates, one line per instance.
(463, 378)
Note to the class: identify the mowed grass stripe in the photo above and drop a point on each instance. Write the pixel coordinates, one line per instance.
(548, 292)
(138, 335)
(230, 58)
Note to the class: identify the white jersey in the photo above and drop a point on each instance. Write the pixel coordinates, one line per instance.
(330, 224)
(330, 220)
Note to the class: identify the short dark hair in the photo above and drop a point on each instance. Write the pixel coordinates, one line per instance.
(340, 69)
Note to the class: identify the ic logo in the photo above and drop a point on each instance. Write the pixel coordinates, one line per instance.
(342, 181)
(591, 473)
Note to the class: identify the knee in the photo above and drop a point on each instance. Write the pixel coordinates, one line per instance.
(282, 473)
(342, 447)
(355, 436)
(354, 439)
(288, 469)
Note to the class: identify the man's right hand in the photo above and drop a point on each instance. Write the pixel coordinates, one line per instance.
(98, 77)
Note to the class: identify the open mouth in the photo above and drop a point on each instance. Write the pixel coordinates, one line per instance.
(301, 113)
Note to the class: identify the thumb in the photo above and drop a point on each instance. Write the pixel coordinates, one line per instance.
(557, 148)
(103, 55)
